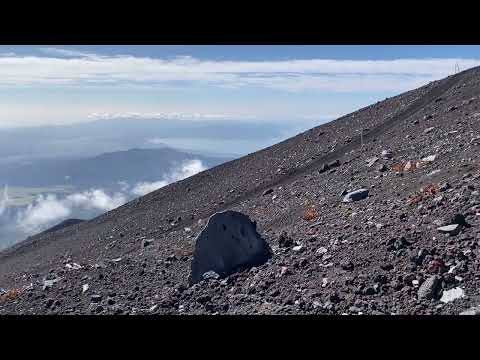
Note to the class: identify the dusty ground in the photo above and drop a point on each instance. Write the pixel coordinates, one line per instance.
(380, 255)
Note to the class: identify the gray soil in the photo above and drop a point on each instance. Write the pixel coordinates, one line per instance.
(380, 254)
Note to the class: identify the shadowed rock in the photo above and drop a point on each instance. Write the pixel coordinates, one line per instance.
(229, 241)
(356, 195)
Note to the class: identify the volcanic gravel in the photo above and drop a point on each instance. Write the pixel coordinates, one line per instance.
(382, 254)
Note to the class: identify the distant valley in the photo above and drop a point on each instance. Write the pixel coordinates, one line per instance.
(41, 193)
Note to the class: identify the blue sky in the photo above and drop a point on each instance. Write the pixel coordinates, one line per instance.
(42, 85)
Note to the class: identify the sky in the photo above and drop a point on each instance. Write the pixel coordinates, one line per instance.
(46, 85)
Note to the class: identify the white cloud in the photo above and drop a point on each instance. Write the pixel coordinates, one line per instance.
(73, 67)
(157, 115)
(124, 186)
(187, 169)
(47, 210)
(156, 141)
(66, 53)
(4, 201)
(143, 188)
(43, 212)
(95, 200)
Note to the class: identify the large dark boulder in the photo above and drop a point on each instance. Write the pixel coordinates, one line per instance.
(229, 242)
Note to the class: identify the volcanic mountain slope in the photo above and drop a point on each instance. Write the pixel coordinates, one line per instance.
(380, 255)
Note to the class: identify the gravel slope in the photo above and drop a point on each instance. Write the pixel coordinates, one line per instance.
(380, 255)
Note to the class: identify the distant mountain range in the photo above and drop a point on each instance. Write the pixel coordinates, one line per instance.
(88, 139)
(104, 170)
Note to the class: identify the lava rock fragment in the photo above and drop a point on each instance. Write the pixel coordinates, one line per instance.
(228, 242)
(356, 195)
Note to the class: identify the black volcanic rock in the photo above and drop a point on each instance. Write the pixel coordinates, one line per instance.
(229, 241)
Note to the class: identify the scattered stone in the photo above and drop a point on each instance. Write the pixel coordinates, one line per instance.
(387, 154)
(474, 310)
(453, 229)
(49, 302)
(408, 166)
(346, 265)
(428, 130)
(96, 298)
(382, 168)
(274, 293)
(371, 161)
(324, 168)
(85, 288)
(297, 248)
(436, 266)
(434, 172)
(73, 266)
(147, 242)
(284, 271)
(428, 289)
(47, 284)
(266, 192)
(321, 250)
(229, 241)
(210, 275)
(444, 187)
(452, 295)
(202, 299)
(430, 158)
(356, 195)
(285, 241)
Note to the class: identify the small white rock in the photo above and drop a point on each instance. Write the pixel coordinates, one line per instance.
(85, 288)
(448, 229)
(430, 158)
(321, 250)
(297, 248)
(452, 294)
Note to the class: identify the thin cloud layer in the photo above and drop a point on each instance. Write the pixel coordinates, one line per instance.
(188, 168)
(63, 67)
(157, 115)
